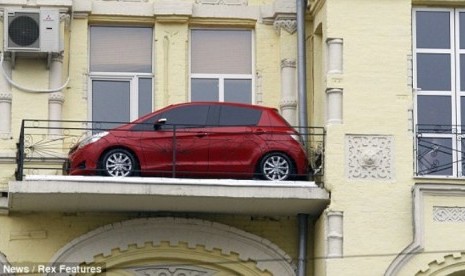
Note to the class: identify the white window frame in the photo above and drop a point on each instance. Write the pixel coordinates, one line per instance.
(222, 77)
(454, 93)
(133, 79)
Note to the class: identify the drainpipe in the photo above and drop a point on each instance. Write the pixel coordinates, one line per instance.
(303, 123)
(301, 6)
(303, 237)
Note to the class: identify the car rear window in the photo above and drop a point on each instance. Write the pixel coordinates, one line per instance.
(239, 116)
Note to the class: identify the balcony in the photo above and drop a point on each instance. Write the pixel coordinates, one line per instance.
(440, 151)
(41, 186)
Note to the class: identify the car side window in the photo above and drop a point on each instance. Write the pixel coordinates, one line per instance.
(239, 116)
(185, 117)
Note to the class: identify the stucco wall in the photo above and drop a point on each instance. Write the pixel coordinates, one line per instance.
(376, 101)
(23, 235)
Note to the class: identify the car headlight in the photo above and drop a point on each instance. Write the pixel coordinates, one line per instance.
(92, 139)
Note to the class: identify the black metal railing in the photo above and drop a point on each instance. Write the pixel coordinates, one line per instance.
(440, 150)
(44, 145)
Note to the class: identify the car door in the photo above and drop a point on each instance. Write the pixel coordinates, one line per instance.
(235, 142)
(179, 146)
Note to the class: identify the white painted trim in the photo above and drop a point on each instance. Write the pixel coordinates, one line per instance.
(419, 191)
(194, 232)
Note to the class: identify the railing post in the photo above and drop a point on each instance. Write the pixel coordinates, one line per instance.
(20, 154)
(174, 152)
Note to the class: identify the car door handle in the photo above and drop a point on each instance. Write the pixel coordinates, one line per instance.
(201, 134)
(259, 131)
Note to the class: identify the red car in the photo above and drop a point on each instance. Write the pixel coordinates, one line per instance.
(198, 139)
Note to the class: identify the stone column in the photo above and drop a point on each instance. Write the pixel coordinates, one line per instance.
(5, 100)
(334, 234)
(286, 27)
(55, 99)
(334, 76)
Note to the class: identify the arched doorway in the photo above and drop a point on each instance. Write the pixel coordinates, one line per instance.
(170, 246)
(450, 265)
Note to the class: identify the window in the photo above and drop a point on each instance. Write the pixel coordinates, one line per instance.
(221, 65)
(186, 116)
(239, 116)
(439, 79)
(120, 73)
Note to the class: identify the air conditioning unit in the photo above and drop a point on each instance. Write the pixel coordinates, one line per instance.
(32, 31)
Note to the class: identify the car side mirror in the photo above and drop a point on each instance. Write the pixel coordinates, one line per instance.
(158, 124)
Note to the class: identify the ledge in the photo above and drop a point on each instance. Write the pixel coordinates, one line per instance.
(137, 194)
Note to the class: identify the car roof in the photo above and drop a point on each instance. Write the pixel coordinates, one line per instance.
(223, 104)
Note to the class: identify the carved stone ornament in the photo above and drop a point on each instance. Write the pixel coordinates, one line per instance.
(448, 214)
(288, 23)
(369, 157)
(223, 2)
(288, 63)
(174, 271)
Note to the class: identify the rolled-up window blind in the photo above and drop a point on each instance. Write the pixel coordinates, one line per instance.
(221, 52)
(121, 49)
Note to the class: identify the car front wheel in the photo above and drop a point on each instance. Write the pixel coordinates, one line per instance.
(276, 166)
(118, 163)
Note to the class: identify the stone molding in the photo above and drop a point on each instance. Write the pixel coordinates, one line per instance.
(369, 157)
(193, 232)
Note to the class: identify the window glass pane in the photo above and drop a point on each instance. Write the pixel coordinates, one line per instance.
(434, 114)
(462, 115)
(186, 116)
(120, 49)
(463, 157)
(238, 91)
(434, 72)
(462, 30)
(434, 156)
(462, 72)
(145, 96)
(433, 29)
(110, 102)
(204, 90)
(221, 51)
(233, 116)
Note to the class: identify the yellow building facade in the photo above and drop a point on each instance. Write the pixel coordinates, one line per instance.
(383, 79)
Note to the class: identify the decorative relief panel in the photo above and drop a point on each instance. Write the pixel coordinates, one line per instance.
(369, 157)
(223, 2)
(448, 214)
(173, 271)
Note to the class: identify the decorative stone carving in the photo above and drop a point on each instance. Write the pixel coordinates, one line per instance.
(288, 23)
(6, 97)
(223, 2)
(448, 214)
(369, 157)
(57, 97)
(288, 63)
(174, 271)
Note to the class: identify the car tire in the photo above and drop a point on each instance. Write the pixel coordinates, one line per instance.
(276, 166)
(118, 163)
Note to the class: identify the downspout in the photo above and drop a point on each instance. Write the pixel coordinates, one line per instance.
(303, 238)
(303, 123)
(301, 6)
